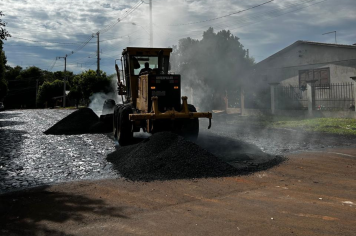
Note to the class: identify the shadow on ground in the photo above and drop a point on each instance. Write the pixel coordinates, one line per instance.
(10, 123)
(11, 143)
(5, 115)
(5, 123)
(44, 206)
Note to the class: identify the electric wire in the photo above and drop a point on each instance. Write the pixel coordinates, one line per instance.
(110, 26)
(53, 64)
(261, 18)
(37, 41)
(220, 17)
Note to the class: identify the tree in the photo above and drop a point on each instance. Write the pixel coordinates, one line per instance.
(88, 82)
(3, 36)
(213, 66)
(48, 90)
(3, 83)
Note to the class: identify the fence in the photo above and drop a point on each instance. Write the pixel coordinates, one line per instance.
(337, 96)
(291, 98)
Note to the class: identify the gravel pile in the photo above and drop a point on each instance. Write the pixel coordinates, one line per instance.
(82, 121)
(166, 156)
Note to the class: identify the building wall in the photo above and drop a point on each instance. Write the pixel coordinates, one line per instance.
(284, 67)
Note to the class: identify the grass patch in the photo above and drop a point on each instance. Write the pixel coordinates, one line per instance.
(326, 125)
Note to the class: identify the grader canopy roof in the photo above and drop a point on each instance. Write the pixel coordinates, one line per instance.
(146, 51)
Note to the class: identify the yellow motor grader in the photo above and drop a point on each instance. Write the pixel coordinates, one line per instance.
(151, 97)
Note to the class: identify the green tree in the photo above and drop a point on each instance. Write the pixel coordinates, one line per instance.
(88, 83)
(3, 83)
(48, 90)
(213, 66)
(12, 72)
(4, 34)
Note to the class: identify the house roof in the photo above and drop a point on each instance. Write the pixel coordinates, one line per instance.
(310, 43)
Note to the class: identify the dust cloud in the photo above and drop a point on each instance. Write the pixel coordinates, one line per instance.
(97, 100)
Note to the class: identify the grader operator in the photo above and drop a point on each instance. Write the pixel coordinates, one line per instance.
(151, 97)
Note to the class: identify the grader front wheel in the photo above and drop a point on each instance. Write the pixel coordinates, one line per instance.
(190, 127)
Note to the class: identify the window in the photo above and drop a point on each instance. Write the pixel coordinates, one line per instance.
(322, 76)
(152, 61)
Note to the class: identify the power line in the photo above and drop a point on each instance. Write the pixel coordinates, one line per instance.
(216, 18)
(36, 41)
(30, 46)
(53, 64)
(104, 30)
(244, 18)
(261, 16)
(110, 26)
(284, 13)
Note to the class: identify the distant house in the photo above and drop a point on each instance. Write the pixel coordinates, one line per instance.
(304, 60)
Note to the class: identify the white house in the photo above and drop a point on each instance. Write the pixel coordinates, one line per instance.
(304, 60)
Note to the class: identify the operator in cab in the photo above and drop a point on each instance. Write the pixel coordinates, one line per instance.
(145, 70)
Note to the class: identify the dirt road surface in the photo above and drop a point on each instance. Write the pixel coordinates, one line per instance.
(313, 193)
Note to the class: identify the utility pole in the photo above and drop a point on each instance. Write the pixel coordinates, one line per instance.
(151, 29)
(65, 79)
(98, 56)
(36, 91)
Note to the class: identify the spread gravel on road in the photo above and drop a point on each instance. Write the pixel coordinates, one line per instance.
(166, 156)
(30, 158)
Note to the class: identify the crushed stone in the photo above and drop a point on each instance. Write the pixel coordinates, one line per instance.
(166, 156)
(82, 121)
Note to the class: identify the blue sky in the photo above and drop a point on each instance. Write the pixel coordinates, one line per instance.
(45, 29)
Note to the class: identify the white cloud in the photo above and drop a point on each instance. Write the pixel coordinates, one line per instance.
(263, 30)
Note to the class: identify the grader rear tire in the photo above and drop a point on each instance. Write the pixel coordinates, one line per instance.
(124, 131)
(116, 120)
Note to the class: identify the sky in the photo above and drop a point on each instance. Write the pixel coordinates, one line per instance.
(43, 30)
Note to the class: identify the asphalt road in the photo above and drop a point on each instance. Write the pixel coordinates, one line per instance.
(80, 193)
(29, 158)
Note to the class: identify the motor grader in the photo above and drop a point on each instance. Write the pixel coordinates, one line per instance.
(151, 100)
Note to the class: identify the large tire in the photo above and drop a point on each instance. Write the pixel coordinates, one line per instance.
(124, 131)
(190, 127)
(116, 120)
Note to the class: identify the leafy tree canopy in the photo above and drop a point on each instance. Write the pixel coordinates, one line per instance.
(212, 65)
(88, 82)
(48, 90)
(4, 34)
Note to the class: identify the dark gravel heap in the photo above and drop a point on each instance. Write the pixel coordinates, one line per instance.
(81, 121)
(166, 156)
